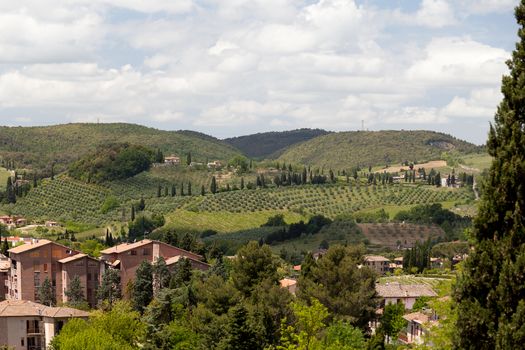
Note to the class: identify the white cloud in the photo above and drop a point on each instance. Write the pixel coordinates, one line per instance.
(481, 103)
(435, 13)
(488, 6)
(459, 62)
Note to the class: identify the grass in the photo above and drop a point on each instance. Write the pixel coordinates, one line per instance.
(414, 279)
(224, 222)
(4, 174)
(478, 161)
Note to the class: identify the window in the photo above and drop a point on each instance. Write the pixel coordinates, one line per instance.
(145, 251)
(36, 279)
(22, 342)
(36, 265)
(45, 267)
(133, 252)
(89, 276)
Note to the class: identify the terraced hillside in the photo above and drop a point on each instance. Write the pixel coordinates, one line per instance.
(66, 199)
(62, 144)
(344, 150)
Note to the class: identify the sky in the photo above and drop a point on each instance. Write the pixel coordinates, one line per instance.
(235, 67)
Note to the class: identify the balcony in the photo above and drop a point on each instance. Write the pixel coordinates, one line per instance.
(32, 330)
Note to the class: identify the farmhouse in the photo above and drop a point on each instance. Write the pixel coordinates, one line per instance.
(172, 160)
(403, 293)
(378, 263)
(52, 224)
(214, 165)
(290, 284)
(418, 324)
(13, 221)
(28, 325)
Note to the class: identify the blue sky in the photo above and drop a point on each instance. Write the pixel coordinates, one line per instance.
(233, 67)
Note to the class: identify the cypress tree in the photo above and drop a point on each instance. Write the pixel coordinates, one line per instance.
(189, 188)
(159, 189)
(490, 292)
(188, 158)
(166, 191)
(173, 190)
(182, 188)
(11, 196)
(5, 247)
(132, 213)
(203, 191)
(213, 186)
(242, 183)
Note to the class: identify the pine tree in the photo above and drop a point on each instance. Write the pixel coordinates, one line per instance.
(142, 292)
(75, 294)
(110, 289)
(45, 293)
(490, 292)
(161, 275)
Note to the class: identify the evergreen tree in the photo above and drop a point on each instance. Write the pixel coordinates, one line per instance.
(142, 292)
(109, 290)
(181, 274)
(437, 180)
(240, 334)
(182, 188)
(490, 292)
(161, 275)
(142, 204)
(203, 191)
(213, 186)
(166, 191)
(5, 246)
(159, 157)
(10, 191)
(75, 294)
(189, 188)
(159, 190)
(188, 158)
(187, 242)
(242, 183)
(173, 190)
(46, 294)
(132, 213)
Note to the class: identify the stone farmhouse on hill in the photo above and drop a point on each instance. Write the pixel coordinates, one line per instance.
(172, 160)
(407, 294)
(378, 263)
(28, 325)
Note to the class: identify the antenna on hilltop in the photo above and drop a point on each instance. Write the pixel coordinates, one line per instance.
(363, 124)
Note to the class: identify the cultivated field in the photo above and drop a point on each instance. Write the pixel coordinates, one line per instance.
(399, 234)
(435, 164)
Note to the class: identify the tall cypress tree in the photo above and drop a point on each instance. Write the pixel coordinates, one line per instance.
(491, 291)
(10, 189)
(213, 186)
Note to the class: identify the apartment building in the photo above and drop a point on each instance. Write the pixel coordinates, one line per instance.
(378, 263)
(26, 325)
(126, 257)
(32, 263)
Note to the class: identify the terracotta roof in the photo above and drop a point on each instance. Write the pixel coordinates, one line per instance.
(375, 258)
(417, 317)
(176, 258)
(287, 282)
(397, 290)
(297, 267)
(29, 246)
(75, 257)
(128, 246)
(4, 265)
(17, 308)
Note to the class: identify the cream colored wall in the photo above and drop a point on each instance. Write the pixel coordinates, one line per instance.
(49, 329)
(16, 330)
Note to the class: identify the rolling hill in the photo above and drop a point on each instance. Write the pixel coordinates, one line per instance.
(272, 144)
(38, 147)
(344, 150)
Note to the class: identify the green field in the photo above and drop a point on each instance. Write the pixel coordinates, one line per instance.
(224, 222)
(4, 174)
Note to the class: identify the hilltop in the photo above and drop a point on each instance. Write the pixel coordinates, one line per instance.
(272, 144)
(343, 150)
(38, 147)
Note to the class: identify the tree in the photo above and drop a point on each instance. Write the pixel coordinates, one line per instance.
(189, 188)
(213, 186)
(142, 292)
(46, 294)
(75, 293)
(132, 213)
(173, 190)
(252, 265)
(188, 158)
(110, 290)
(392, 321)
(242, 183)
(181, 274)
(337, 282)
(159, 190)
(161, 275)
(10, 191)
(5, 245)
(490, 292)
(203, 191)
(159, 156)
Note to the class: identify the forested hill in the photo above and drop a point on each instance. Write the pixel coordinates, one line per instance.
(272, 144)
(344, 150)
(63, 144)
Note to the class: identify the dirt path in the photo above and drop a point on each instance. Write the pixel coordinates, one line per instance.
(474, 187)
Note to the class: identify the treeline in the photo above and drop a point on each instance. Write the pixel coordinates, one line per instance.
(313, 226)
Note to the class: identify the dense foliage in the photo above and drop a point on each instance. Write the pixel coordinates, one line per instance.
(112, 162)
(491, 292)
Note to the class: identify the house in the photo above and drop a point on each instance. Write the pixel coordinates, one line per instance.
(418, 324)
(172, 160)
(317, 254)
(290, 284)
(196, 165)
(378, 263)
(19, 222)
(32, 263)
(28, 325)
(407, 294)
(436, 263)
(6, 220)
(127, 257)
(52, 224)
(214, 165)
